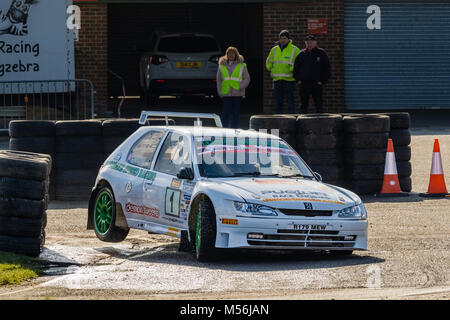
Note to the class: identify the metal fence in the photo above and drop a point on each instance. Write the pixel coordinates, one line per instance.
(46, 100)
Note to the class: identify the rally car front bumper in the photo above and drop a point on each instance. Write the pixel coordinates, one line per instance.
(304, 233)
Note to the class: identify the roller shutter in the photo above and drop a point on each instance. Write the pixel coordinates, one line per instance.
(403, 65)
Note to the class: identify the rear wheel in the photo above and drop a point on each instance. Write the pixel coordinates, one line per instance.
(205, 232)
(105, 217)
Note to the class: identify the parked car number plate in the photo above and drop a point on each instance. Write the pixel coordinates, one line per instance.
(188, 65)
(309, 226)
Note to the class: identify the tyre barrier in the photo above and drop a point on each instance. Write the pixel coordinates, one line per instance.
(320, 140)
(79, 155)
(365, 151)
(78, 149)
(285, 124)
(34, 136)
(24, 186)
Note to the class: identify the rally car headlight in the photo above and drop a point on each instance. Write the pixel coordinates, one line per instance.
(254, 209)
(355, 212)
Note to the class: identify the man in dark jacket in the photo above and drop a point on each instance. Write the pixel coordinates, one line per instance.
(311, 71)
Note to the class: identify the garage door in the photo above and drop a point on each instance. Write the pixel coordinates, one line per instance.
(397, 54)
(235, 24)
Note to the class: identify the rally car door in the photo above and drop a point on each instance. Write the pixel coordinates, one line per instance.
(140, 177)
(173, 193)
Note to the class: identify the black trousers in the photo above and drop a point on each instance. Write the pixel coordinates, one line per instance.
(311, 89)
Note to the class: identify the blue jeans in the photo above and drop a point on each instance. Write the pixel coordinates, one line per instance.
(281, 89)
(231, 106)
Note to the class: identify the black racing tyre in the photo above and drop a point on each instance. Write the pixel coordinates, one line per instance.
(365, 187)
(24, 189)
(31, 128)
(320, 123)
(319, 141)
(367, 123)
(22, 208)
(76, 177)
(44, 145)
(82, 144)
(366, 140)
(26, 154)
(269, 121)
(79, 128)
(76, 161)
(120, 127)
(364, 156)
(27, 246)
(205, 232)
(285, 124)
(20, 227)
(399, 120)
(402, 153)
(329, 173)
(322, 157)
(400, 137)
(405, 184)
(365, 172)
(104, 217)
(18, 167)
(404, 169)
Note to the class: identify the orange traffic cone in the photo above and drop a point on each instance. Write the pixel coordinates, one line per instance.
(437, 187)
(391, 184)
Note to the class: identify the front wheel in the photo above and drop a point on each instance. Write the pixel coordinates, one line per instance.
(105, 217)
(205, 232)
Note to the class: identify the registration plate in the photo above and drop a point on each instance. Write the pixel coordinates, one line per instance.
(318, 227)
(188, 65)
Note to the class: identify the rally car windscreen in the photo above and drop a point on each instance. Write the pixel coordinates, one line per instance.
(232, 157)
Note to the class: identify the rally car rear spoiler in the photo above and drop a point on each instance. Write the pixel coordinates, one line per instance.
(166, 115)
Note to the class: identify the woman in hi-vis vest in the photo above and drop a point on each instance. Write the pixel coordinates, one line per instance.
(232, 79)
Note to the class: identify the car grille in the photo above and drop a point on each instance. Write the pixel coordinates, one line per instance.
(307, 213)
(304, 238)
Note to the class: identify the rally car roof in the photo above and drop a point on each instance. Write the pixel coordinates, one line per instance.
(211, 131)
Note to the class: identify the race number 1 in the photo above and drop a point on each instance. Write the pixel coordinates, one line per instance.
(173, 202)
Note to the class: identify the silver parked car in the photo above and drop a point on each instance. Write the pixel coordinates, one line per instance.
(179, 64)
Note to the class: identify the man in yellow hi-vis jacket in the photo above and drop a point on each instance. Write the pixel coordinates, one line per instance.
(280, 64)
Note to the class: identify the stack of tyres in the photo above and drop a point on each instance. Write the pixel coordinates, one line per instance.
(34, 136)
(79, 155)
(365, 146)
(117, 131)
(401, 137)
(24, 182)
(319, 143)
(285, 124)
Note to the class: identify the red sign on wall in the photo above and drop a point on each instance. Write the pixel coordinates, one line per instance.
(318, 26)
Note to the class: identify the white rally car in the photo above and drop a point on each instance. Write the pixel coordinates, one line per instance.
(221, 188)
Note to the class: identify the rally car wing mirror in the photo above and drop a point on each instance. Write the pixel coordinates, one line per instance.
(186, 173)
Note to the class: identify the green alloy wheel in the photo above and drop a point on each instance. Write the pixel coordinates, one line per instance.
(103, 214)
(105, 217)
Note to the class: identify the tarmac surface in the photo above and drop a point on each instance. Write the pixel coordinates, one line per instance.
(408, 256)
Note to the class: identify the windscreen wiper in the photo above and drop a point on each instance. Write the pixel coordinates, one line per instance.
(241, 174)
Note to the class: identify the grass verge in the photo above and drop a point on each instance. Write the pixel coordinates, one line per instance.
(15, 269)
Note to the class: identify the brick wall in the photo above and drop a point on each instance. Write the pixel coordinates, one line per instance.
(91, 51)
(293, 17)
